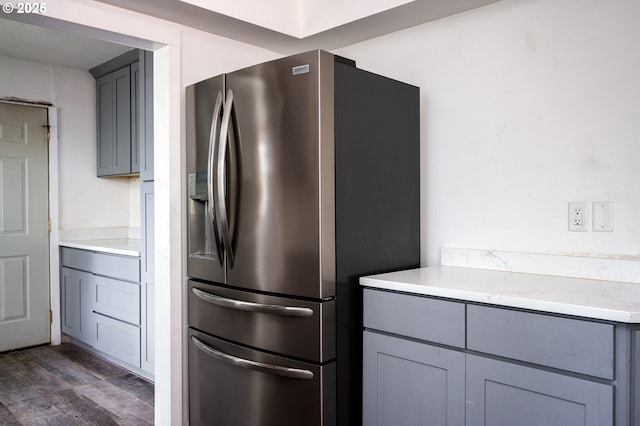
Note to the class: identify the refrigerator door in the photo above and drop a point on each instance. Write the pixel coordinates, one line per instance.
(204, 114)
(283, 228)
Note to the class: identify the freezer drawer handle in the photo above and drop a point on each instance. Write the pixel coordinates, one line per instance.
(277, 370)
(287, 311)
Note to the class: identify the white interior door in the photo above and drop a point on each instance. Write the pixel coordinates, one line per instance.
(24, 236)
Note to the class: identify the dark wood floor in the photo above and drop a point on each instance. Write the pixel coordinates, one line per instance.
(65, 385)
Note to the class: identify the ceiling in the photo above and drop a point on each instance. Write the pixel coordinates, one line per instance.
(38, 44)
(34, 43)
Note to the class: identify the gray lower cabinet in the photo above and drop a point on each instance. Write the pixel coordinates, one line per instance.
(501, 393)
(77, 292)
(495, 366)
(102, 304)
(411, 383)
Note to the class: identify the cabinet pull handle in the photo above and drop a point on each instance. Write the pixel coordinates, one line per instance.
(276, 370)
(241, 305)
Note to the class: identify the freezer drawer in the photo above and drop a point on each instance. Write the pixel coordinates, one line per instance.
(300, 329)
(233, 385)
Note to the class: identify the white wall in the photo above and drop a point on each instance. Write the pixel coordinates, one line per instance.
(85, 200)
(526, 105)
(206, 55)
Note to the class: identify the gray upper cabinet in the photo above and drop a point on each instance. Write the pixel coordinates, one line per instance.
(136, 82)
(124, 111)
(145, 96)
(114, 118)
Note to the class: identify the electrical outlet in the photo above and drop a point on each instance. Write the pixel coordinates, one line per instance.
(578, 216)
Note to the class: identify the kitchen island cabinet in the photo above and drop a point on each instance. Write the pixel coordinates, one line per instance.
(518, 366)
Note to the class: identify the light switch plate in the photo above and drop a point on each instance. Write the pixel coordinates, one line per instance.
(602, 214)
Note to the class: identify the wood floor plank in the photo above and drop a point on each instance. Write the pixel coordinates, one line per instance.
(131, 410)
(136, 386)
(66, 385)
(92, 363)
(6, 417)
(38, 411)
(83, 410)
(62, 367)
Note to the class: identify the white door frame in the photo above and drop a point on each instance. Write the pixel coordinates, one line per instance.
(54, 239)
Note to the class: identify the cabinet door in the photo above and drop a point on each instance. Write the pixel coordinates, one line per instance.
(135, 117)
(635, 377)
(104, 118)
(411, 383)
(122, 123)
(113, 92)
(78, 294)
(505, 394)
(145, 94)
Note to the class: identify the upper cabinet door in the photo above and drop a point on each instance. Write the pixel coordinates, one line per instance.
(113, 93)
(135, 100)
(104, 105)
(122, 123)
(145, 105)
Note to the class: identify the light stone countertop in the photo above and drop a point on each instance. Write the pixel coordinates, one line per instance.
(605, 300)
(122, 246)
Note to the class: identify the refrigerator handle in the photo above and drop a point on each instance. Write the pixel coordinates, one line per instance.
(293, 373)
(241, 305)
(211, 216)
(221, 198)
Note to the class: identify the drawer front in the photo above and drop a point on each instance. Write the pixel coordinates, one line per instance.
(110, 265)
(304, 330)
(433, 320)
(118, 339)
(574, 345)
(305, 395)
(117, 299)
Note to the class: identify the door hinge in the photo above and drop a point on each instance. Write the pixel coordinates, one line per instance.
(49, 225)
(50, 316)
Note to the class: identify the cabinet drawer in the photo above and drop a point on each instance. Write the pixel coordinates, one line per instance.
(584, 347)
(110, 265)
(117, 299)
(433, 320)
(118, 339)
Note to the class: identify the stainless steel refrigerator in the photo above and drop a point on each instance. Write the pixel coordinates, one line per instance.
(303, 175)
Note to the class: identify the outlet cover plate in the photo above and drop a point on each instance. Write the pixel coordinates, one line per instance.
(578, 216)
